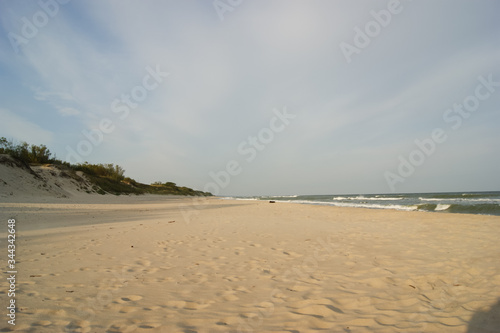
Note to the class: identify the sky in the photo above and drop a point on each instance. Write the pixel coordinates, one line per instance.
(264, 97)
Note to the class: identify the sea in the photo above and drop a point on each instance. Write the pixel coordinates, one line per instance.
(484, 203)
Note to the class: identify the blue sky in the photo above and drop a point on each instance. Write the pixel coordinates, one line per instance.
(354, 116)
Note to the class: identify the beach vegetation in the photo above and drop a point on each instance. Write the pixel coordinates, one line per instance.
(25, 152)
(105, 177)
(111, 171)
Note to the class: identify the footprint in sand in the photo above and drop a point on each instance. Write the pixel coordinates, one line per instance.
(131, 298)
(386, 320)
(143, 262)
(61, 323)
(152, 308)
(121, 328)
(232, 278)
(27, 283)
(57, 312)
(242, 289)
(197, 305)
(127, 309)
(239, 250)
(229, 296)
(151, 270)
(228, 321)
(149, 325)
(79, 324)
(42, 323)
(175, 304)
(299, 288)
(198, 278)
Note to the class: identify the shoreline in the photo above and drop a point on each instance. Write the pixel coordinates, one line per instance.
(144, 264)
(476, 203)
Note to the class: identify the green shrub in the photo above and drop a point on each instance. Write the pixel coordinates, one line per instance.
(107, 178)
(110, 170)
(26, 152)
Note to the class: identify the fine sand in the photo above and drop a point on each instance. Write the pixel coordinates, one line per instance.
(160, 264)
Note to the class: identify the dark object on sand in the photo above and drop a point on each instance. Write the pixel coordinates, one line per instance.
(272, 201)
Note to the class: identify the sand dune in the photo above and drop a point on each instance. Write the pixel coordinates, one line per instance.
(149, 264)
(18, 180)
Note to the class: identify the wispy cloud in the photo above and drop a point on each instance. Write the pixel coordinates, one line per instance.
(227, 76)
(16, 127)
(48, 95)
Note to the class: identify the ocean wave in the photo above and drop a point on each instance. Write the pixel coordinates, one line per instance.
(483, 209)
(382, 198)
(463, 200)
(236, 198)
(354, 205)
(481, 200)
(342, 198)
(482, 195)
(489, 204)
(442, 207)
(361, 197)
(429, 199)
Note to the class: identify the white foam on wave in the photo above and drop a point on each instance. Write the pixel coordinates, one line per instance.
(242, 199)
(431, 199)
(485, 200)
(459, 200)
(442, 207)
(360, 197)
(382, 199)
(354, 205)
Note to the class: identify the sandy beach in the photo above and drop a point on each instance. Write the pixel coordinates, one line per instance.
(160, 264)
